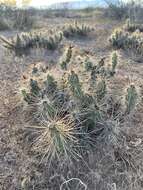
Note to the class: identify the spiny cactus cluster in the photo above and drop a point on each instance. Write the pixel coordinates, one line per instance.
(119, 38)
(132, 27)
(76, 29)
(66, 58)
(67, 111)
(125, 40)
(22, 43)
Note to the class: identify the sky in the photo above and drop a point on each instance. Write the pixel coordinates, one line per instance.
(47, 2)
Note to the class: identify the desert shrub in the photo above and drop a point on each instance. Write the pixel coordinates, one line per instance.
(117, 9)
(4, 25)
(66, 115)
(23, 20)
(22, 43)
(76, 29)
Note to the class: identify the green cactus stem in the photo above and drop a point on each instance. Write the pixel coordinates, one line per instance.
(75, 85)
(131, 99)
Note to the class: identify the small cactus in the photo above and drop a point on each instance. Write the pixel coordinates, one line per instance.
(88, 64)
(35, 90)
(76, 30)
(50, 84)
(101, 89)
(114, 63)
(26, 96)
(66, 58)
(75, 85)
(131, 99)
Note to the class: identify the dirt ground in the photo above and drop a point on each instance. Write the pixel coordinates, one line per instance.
(19, 169)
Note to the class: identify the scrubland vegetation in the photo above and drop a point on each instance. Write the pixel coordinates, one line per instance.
(71, 100)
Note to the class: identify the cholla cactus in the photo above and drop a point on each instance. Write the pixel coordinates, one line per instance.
(65, 113)
(22, 43)
(88, 64)
(64, 82)
(101, 90)
(35, 90)
(56, 138)
(26, 96)
(66, 58)
(132, 26)
(127, 41)
(131, 98)
(75, 85)
(98, 70)
(76, 30)
(50, 84)
(119, 38)
(114, 63)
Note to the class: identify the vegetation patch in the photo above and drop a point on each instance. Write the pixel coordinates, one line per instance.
(127, 41)
(66, 118)
(22, 43)
(75, 30)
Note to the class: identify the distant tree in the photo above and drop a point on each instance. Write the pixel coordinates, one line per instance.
(25, 2)
(8, 2)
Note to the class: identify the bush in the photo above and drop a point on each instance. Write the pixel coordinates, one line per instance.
(23, 20)
(117, 10)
